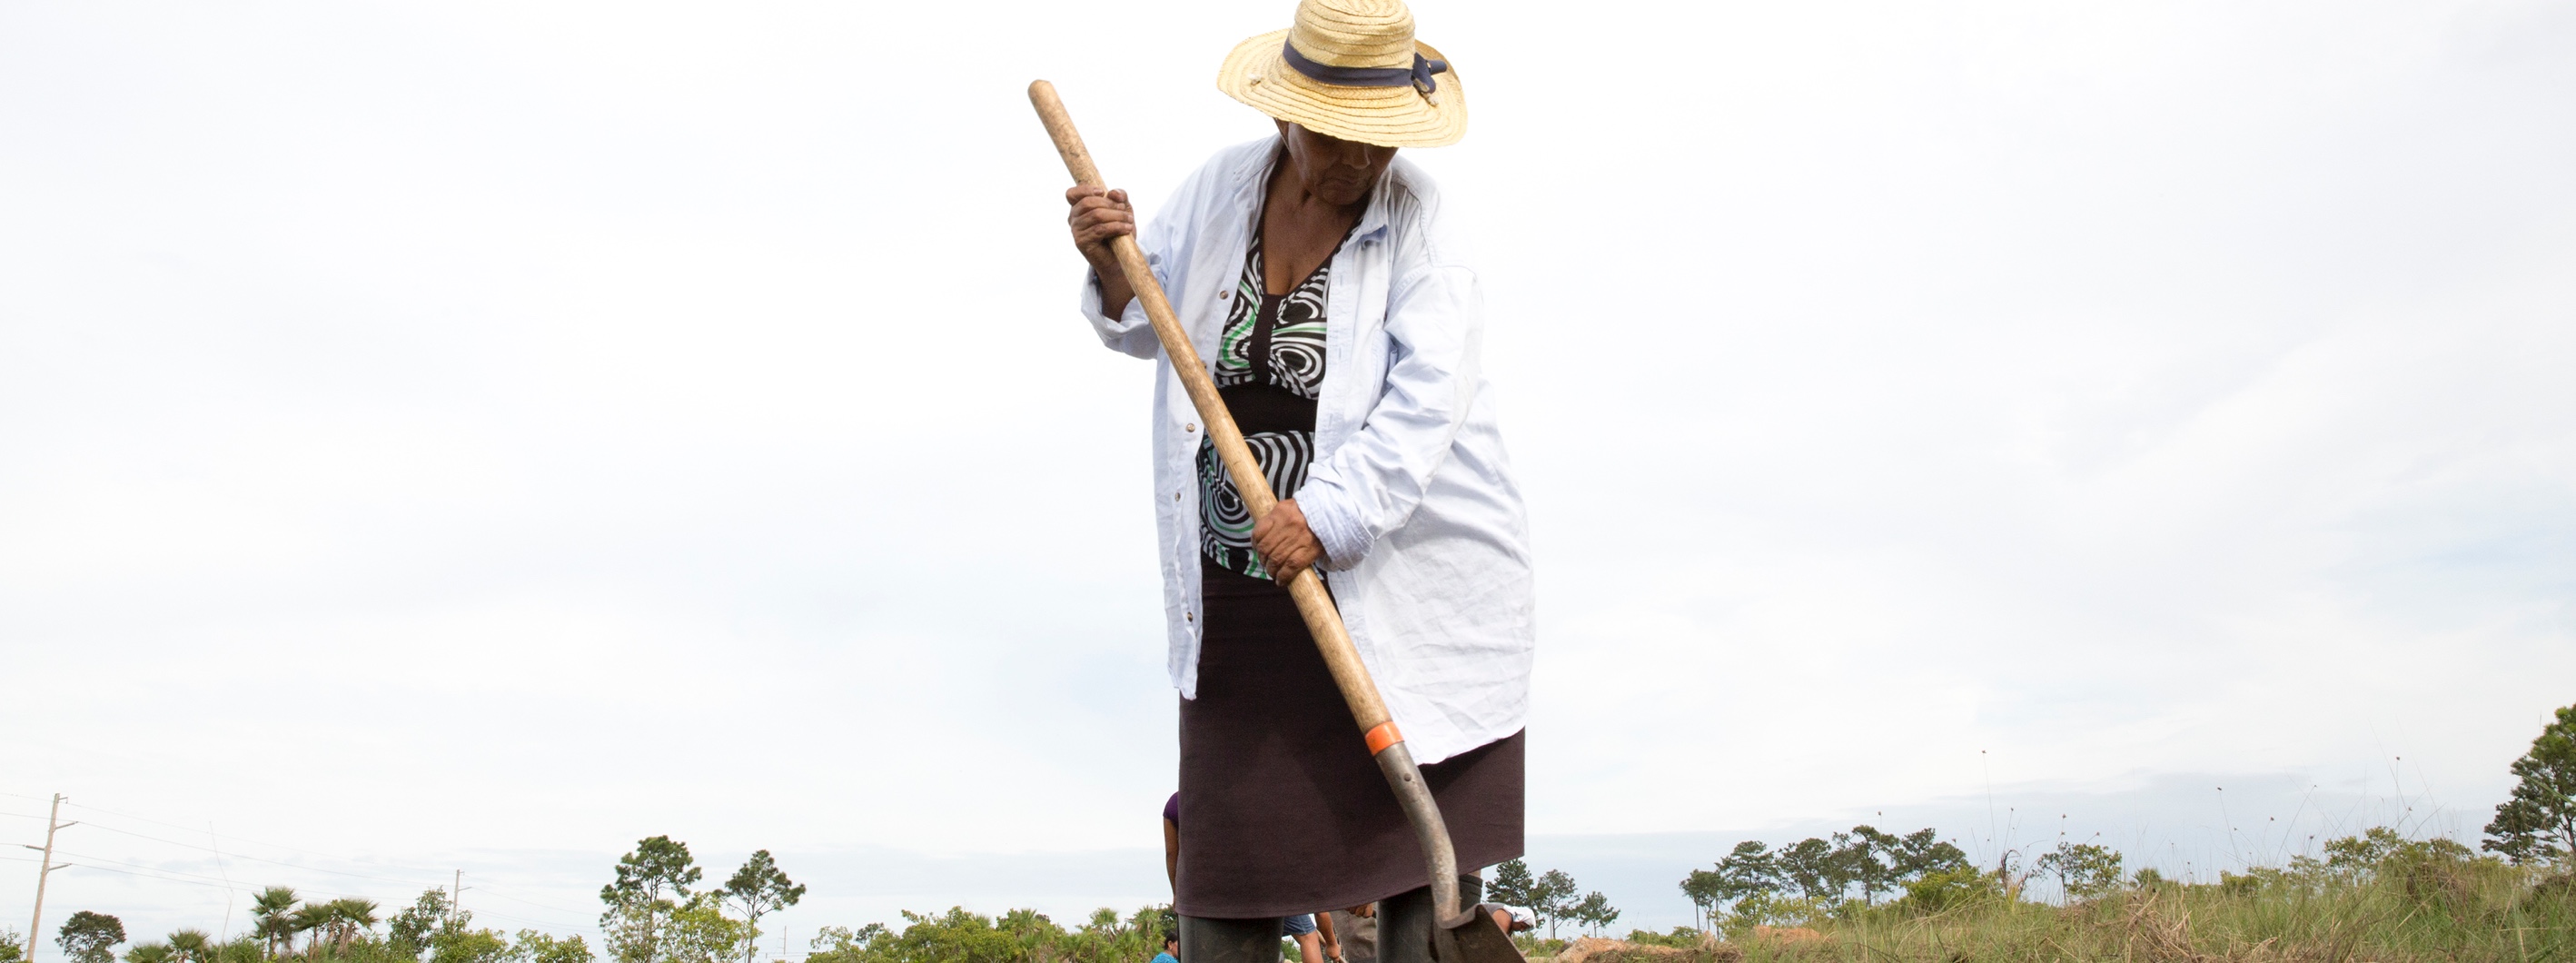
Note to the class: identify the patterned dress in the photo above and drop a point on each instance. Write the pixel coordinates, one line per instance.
(1281, 809)
(1269, 368)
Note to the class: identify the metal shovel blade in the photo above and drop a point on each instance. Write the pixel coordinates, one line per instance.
(1474, 940)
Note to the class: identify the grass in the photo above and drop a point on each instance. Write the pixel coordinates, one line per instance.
(2445, 909)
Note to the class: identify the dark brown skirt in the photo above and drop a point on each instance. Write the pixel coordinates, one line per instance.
(1282, 810)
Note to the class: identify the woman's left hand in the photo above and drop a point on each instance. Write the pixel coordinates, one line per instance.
(1286, 545)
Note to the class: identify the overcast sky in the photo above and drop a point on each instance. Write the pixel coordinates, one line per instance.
(458, 435)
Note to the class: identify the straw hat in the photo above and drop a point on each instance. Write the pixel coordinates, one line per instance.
(1351, 69)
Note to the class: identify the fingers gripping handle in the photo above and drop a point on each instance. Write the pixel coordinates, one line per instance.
(1307, 589)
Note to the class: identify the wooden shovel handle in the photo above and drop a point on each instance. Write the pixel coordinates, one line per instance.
(1340, 657)
(1312, 601)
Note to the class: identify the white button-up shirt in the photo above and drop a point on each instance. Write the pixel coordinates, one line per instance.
(1410, 494)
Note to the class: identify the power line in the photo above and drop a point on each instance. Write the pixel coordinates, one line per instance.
(165, 879)
(198, 879)
(225, 883)
(239, 839)
(174, 876)
(157, 869)
(242, 839)
(210, 849)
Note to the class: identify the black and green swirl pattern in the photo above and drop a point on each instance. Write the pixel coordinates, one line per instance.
(1270, 366)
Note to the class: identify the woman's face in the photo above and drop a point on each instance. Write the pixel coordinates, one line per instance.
(1336, 170)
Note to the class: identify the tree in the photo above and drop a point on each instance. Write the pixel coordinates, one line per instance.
(1550, 898)
(1746, 872)
(1511, 885)
(313, 922)
(461, 945)
(12, 945)
(2538, 823)
(699, 932)
(347, 919)
(148, 953)
(536, 947)
(1748, 886)
(432, 924)
(2083, 870)
(1919, 853)
(2360, 854)
(414, 928)
(841, 944)
(1702, 888)
(651, 882)
(91, 937)
(1809, 866)
(1594, 911)
(760, 888)
(191, 946)
(1867, 857)
(272, 918)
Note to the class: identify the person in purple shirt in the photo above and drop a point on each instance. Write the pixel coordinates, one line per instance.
(1172, 841)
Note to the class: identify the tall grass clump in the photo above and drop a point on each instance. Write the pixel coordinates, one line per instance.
(1018, 936)
(2377, 897)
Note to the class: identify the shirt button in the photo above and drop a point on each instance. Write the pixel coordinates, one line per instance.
(1192, 426)
(1189, 617)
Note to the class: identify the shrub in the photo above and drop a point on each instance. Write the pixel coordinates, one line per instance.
(1681, 936)
(1950, 890)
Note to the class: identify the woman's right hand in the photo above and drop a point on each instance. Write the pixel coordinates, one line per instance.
(1100, 214)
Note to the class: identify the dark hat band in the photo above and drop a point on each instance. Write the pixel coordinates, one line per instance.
(1418, 77)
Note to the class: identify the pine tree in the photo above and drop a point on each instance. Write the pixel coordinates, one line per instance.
(2538, 824)
(760, 888)
(652, 884)
(1511, 886)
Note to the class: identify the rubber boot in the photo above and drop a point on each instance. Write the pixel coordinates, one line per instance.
(1205, 940)
(1405, 921)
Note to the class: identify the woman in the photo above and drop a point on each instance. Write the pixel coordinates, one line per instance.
(1320, 281)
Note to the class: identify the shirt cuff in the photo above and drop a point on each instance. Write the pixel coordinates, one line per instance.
(1091, 300)
(1091, 308)
(1345, 541)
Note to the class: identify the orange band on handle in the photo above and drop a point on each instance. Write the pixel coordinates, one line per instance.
(1382, 736)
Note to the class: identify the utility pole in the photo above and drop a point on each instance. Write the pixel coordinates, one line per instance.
(456, 902)
(45, 867)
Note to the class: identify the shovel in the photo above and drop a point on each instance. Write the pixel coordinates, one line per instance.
(1464, 934)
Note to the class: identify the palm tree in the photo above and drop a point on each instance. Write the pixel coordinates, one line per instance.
(189, 946)
(148, 953)
(351, 917)
(315, 919)
(269, 913)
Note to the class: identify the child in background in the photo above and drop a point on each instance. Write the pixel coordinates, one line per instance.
(1310, 945)
(1171, 948)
